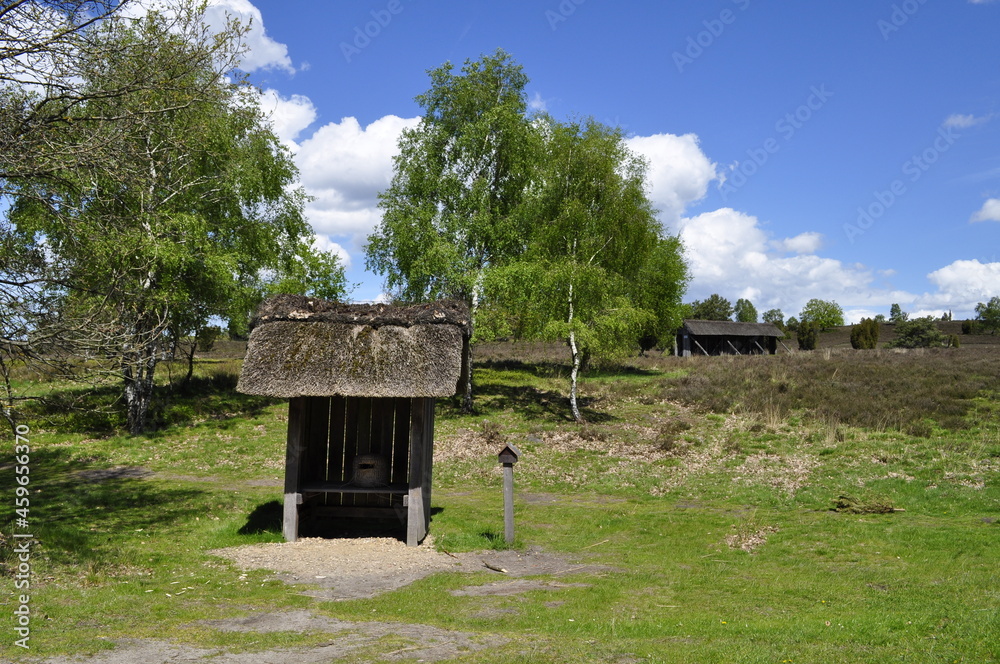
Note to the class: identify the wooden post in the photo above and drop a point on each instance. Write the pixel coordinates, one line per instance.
(416, 522)
(508, 457)
(508, 503)
(294, 451)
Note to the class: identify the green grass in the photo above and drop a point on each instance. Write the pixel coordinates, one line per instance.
(704, 488)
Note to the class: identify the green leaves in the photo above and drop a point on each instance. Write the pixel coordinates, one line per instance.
(988, 314)
(825, 313)
(543, 226)
(168, 199)
(459, 179)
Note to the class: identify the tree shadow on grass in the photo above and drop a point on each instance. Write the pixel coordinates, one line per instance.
(99, 411)
(83, 514)
(530, 402)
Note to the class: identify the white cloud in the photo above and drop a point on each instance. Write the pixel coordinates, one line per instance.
(963, 284)
(536, 103)
(323, 243)
(679, 172)
(804, 243)
(989, 212)
(290, 116)
(960, 121)
(264, 52)
(730, 254)
(344, 166)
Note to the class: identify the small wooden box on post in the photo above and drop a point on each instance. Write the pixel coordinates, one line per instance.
(507, 457)
(361, 382)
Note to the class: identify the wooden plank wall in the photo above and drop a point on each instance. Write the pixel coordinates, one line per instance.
(342, 428)
(326, 434)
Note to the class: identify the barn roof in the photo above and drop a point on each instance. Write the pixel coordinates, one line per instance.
(728, 328)
(303, 346)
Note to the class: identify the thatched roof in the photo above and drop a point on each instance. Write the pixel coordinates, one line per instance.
(727, 328)
(310, 347)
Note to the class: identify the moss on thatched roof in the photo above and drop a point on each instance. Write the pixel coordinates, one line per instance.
(301, 308)
(310, 347)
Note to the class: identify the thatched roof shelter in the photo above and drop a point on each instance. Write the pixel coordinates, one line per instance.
(361, 382)
(302, 346)
(723, 337)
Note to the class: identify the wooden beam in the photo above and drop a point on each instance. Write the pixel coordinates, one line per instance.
(700, 346)
(763, 352)
(428, 460)
(294, 451)
(733, 347)
(415, 528)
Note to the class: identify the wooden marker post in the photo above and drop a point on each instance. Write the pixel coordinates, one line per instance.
(508, 457)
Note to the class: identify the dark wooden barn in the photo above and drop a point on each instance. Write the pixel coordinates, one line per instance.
(361, 382)
(714, 337)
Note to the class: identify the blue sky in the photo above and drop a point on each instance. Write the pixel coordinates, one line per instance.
(846, 151)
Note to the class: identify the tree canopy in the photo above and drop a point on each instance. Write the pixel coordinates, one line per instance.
(744, 311)
(594, 238)
(896, 314)
(988, 314)
(826, 314)
(189, 210)
(774, 316)
(714, 307)
(459, 180)
(918, 333)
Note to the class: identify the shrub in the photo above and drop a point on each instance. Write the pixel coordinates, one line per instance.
(864, 335)
(917, 333)
(808, 334)
(970, 327)
(953, 341)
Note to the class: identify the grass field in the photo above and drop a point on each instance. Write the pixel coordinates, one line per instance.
(706, 486)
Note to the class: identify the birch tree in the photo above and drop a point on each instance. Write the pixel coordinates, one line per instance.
(594, 237)
(458, 181)
(197, 201)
